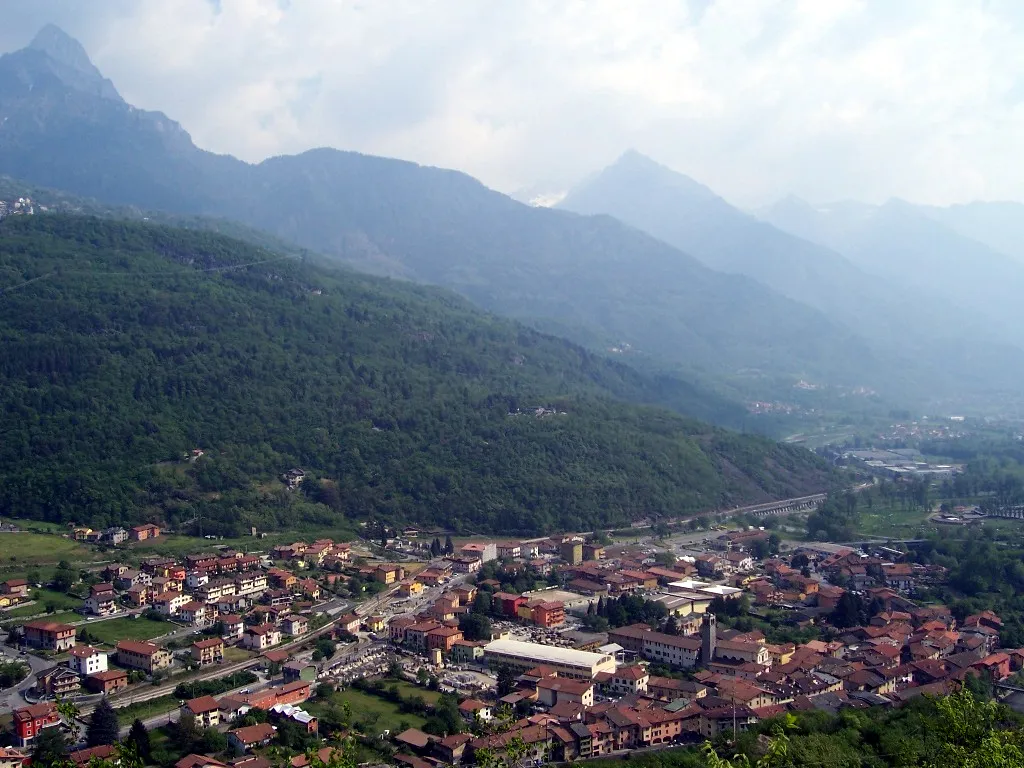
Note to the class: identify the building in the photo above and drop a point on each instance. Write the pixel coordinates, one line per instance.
(168, 603)
(484, 552)
(243, 739)
(204, 709)
(29, 721)
(443, 638)
(12, 758)
(86, 660)
(548, 613)
(295, 625)
(50, 635)
(571, 552)
(522, 656)
(101, 600)
(195, 613)
(209, 651)
(148, 657)
(108, 682)
(632, 679)
(57, 682)
(16, 589)
(261, 637)
(556, 690)
(232, 626)
(472, 709)
(389, 573)
(144, 532)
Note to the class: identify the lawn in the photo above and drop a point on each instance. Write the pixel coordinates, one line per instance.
(174, 545)
(146, 709)
(380, 715)
(893, 522)
(28, 549)
(408, 689)
(64, 617)
(43, 598)
(112, 630)
(233, 654)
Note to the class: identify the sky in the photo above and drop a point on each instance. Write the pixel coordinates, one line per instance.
(826, 99)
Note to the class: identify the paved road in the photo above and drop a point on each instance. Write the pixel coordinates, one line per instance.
(12, 698)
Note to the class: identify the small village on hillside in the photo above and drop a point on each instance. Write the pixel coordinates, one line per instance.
(570, 646)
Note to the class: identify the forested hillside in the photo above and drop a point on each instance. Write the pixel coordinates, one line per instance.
(128, 345)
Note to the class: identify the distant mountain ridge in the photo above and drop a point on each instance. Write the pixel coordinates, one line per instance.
(590, 278)
(900, 241)
(802, 264)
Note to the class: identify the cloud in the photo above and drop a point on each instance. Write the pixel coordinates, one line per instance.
(829, 99)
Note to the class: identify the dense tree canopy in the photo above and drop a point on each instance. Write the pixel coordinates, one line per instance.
(126, 346)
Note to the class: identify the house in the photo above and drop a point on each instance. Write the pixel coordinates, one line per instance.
(86, 660)
(242, 740)
(148, 657)
(350, 623)
(232, 626)
(375, 623)
(108, 682)
(467, 651)
(168, 603)
(416, 634)
(116, 535)
(410, 589)
(57, 682)
(632, 679)
(484, 552)
(50, 635)
(389, 573)
(261, 637)
(195, 613)
(310, 588)
(548, 613)
(443, 638)
(144, 532)
(138, 595)
(712, 722)
(204, 709)
(555, 690)
(29, 721)
(17, 589)
(199, 761)
(104, 753)
(12, 758)
(299, 670)
(209, 651)
(509, 550)
(474, 708)
(295, 625)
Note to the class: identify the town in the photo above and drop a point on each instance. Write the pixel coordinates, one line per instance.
(570, 646)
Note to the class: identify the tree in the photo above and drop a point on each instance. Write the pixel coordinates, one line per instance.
(506, 681)
(449, 545)
(475, 626)
(51, 749)
(482, 603)
(103, 725)
(435, 547)
(138, 736)
(63, 579)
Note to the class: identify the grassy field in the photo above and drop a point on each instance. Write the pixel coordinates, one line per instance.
(893, 523)
(146, 709)
(112, 630)
(383, 714)
(233, 654)
(174, 545)
(24, 549)
(411, 689)
(65, 617)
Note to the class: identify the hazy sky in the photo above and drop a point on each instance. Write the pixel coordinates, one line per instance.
(921, 99)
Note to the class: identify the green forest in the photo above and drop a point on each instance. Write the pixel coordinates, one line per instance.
(128, 345)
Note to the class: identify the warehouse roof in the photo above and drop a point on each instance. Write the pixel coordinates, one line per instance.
(546, 653)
